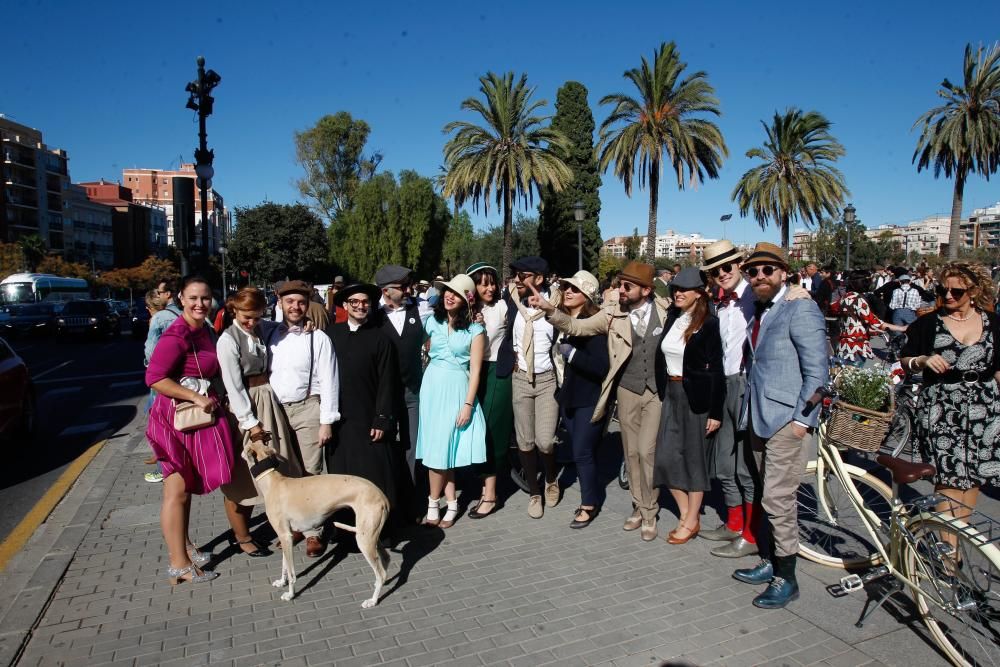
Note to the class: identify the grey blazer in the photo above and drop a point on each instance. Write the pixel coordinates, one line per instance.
(788, 366)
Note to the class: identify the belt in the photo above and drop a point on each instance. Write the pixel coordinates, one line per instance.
(955, 376)
(675, 378)
(518, 369)
(258, 380)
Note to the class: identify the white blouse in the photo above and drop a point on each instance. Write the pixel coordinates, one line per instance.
(673, 345)
(495, 322)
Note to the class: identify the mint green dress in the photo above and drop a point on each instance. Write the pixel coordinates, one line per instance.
(443, 390)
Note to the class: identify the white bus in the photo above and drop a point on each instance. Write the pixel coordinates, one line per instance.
(38, 287)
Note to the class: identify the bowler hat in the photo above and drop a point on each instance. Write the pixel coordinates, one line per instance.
(531, 264)
(371, 291)
(690, 277)
(638, 272)
(719, 253)
(766, 253)
(392, 274)
(295, 287)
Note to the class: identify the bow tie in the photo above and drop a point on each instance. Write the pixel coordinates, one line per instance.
(760, 307)
(726, 298)
(294, 329)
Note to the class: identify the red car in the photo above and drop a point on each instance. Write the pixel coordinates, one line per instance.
(17, 395)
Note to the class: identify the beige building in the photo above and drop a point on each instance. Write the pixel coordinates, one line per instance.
(982, 229)
(34, 178)
(89, 233)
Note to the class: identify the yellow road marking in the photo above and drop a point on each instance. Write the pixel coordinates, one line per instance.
(40, 512)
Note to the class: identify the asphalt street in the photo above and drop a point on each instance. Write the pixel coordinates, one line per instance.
(86, 391)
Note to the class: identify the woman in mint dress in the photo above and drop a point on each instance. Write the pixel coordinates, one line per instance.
(452, 429)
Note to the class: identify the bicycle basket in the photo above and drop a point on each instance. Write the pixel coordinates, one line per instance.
(859, 428)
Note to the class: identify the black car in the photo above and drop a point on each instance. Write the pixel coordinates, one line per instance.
(88, 317)
(29, 319)
(140, 322)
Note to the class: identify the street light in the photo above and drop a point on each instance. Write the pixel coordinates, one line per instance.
(579, 211)
(723, 219)
(849, 218)
(201, 100)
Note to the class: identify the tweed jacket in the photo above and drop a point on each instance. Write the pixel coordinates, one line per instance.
(788, 365)
(616, 324)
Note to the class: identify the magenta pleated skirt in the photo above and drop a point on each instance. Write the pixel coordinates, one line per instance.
(203, 458)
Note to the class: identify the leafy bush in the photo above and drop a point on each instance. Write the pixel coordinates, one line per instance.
(864, 387)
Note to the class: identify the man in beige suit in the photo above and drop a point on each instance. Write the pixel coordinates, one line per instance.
(634, 327)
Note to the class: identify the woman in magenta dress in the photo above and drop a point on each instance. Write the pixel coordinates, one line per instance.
(183, 367)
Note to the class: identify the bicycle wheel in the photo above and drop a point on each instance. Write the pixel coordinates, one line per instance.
(831, 532)
(897, 440)
(958, 574)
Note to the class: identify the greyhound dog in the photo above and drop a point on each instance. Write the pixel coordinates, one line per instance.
(304, 503)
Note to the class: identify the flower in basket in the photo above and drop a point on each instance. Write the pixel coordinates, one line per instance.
(866, 388)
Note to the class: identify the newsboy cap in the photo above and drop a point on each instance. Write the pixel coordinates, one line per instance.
(295, 287)
(391, 274)
(531, 264)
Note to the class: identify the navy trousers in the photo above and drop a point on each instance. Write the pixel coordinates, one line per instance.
(584, 438)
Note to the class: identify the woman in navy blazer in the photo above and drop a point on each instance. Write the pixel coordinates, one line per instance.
(586, 365)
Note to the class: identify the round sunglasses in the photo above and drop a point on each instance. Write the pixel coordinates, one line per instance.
(956, 292)
(767, 270)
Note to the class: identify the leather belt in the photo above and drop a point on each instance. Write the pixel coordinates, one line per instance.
(258, 380)
(955, 376)
(675, 378)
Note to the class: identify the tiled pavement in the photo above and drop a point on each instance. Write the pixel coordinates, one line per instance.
(506, 590)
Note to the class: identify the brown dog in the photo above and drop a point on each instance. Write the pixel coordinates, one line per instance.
(304, 503)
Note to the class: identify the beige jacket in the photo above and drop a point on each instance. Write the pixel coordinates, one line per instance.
(616, 324)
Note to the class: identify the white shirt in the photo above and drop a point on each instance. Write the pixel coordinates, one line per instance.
(641, 314)
(544, 334)
(228, 351)
(673, 345)
(290, 371)
(398, 315)
(733, 320)
(495, 322)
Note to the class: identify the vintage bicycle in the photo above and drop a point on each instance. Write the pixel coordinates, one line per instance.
(943, 553)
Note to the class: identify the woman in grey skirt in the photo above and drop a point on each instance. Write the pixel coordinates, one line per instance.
(693, 400)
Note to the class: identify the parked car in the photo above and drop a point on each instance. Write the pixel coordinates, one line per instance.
(120, 307)
(18, 416)
(28, 319)
(140, 322)
(88, 317)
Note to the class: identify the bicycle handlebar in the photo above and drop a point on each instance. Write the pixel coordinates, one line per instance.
(816, 399)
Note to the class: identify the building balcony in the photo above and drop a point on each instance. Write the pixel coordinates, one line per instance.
(18, 159)
(20, 202)
(13, 181)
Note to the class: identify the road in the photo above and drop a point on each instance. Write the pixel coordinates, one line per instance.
(87, 390)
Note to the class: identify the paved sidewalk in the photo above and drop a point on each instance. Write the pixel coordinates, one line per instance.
(505, 590)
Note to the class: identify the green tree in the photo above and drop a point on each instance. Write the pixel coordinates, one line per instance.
(664, 125)
(510, 156)
(33, 249)
(279, 241)
(332, 155)
(460, 245)
(962, 136)
(797, 179)
(424, 221)
(557, 227)
(633, 244)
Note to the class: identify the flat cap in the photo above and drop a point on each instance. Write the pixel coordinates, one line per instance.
(295, 287)
(391, 273)
(531, 264)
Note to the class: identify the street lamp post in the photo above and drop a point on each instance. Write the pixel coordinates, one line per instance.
(579, 211)
(201, 100)
(849, 218)
(723, 219)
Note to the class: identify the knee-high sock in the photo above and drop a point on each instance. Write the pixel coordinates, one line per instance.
(529, 465)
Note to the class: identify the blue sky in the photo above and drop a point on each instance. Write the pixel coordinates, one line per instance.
(106, 82)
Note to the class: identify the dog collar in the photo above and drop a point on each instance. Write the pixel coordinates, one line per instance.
(264, 466)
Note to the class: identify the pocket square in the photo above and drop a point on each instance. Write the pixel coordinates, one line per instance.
(657, 331)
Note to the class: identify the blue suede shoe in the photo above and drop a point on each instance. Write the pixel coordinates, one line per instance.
(778, 594)
(761, 573)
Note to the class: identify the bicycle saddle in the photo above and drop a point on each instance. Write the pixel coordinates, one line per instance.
(904, 472)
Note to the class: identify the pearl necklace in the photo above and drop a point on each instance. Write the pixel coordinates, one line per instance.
(962, 319)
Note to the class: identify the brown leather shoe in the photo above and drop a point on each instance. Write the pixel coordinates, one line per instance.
(314, 547)
(633, 522)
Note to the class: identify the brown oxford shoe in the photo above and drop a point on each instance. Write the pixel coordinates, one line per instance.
(314, 547)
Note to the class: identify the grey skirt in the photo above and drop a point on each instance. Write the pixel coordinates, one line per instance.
(682, 449)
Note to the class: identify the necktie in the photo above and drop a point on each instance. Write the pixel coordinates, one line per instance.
(638, 323)
(528, 339)
(759, 307)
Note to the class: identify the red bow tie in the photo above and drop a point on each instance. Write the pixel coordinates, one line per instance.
(726, 297)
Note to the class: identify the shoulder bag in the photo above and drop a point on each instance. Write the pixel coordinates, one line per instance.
(189, 416)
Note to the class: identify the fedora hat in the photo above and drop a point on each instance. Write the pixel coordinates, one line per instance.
(638, 272)
(719, 253)
(461, 285)
(766, 253)
(585, 282)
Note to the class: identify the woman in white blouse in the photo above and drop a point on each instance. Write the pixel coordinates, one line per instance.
(495, 394)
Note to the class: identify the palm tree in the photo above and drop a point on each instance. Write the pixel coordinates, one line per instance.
(662, 125)
(513, 155)
(797, 178)
(963, 135)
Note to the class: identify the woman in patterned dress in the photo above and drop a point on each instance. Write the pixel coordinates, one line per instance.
(958, 411)
(857, 322)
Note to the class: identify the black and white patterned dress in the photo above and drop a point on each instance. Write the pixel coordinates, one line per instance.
(958, 425)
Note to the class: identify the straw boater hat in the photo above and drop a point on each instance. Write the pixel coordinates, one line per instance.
(766, 253)
(719, 253)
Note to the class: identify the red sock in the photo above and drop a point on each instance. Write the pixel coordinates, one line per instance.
(734, 519)
(749, 518)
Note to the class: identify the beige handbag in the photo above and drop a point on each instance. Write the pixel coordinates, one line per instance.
(189, 416)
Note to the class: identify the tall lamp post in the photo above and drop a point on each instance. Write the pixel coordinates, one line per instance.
(579, 211)
(723, 219)
(201, 100)
(849, 218)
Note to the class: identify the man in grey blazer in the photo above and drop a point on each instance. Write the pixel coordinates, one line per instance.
(786, 362)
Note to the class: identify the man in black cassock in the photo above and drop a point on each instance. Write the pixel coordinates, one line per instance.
(364, 441)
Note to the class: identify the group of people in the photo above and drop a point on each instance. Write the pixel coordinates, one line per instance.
(709, 383)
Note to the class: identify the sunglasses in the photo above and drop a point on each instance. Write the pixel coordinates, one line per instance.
(521, 275)
(956, 292)
(767, 270)
(570, 289)
(357, 303)
(627, 286)
(725, 268)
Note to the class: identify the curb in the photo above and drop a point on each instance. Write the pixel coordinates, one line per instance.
(34, 573)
